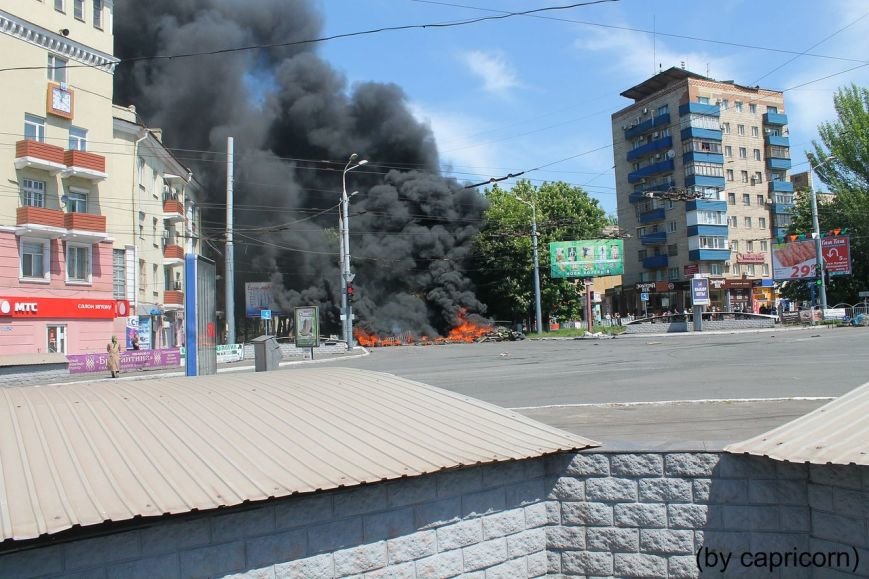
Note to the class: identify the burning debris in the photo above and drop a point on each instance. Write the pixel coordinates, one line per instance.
(411, 229)
(468, 328)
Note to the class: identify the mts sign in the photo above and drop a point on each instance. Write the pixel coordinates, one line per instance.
(27, 307)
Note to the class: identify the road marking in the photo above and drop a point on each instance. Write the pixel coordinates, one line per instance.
(676, 402)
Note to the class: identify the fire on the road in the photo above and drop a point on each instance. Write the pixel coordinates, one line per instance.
(466, 330)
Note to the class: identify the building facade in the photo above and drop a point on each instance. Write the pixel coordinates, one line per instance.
(686, 135)
(72, 193)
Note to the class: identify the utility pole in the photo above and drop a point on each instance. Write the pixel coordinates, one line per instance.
(538, 312)
(819, 254)
(229, 274)
(346, 275)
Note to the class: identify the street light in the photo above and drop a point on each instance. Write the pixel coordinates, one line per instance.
(819, 254)
(537, 309)
(344, 230)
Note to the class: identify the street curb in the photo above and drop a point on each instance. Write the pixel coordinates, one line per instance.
(722, 332)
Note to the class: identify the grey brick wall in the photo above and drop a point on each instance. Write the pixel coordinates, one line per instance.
(597, 514)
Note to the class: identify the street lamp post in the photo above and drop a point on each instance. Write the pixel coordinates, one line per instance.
(819, 254)
(537, 308)
(346, 275)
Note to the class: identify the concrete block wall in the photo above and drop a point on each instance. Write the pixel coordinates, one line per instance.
(24, 375)
(708, 325)
(291, 351)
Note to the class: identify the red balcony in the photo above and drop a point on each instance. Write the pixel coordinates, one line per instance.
(85, 165)
(85, 227)
(36, 155)
(39, 222)
(173, 210)
(173, 255)
(173, 299)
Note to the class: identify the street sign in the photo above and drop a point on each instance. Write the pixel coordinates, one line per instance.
(700, 291)
(266, 314)
(863, 294)
(644, 297)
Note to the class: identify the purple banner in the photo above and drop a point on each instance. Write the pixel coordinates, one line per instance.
(130, 360)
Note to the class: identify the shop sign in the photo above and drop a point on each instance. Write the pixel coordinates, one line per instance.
(751, 257)
(664, 286)
(130, 360)
(646, 286)
(738, 284)
(716, 283)
(62, 308)
(690, 270)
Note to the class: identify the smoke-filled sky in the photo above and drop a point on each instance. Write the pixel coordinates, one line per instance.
(289, 111)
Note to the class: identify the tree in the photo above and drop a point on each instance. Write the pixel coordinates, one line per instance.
(504, 265)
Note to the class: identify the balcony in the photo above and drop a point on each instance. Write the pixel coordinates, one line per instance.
(701, 157)
(173, 300)
(173, 254)
(781, 187)
(639, 129)
(776, 141)
(85, 227)
(42, 156)
(703, 205)
(775, 119)
(781, 208)
(700, 133)
(655, 262)
(778, 164)
(710, 230)
(173, 210)
(653, 169)
(657, 238)
(709, 254)
(84, 165)
(704, 181)
(648, 148)
(653, 215)
(39, 222)
(699, 109)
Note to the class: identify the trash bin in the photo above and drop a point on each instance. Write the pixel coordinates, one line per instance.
(267, 353)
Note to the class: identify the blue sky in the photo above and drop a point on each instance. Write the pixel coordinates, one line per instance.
(510, 95)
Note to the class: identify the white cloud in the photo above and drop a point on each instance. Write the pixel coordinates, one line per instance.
(493, 69)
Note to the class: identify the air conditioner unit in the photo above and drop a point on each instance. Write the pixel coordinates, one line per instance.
(645, 110)
(658, 156)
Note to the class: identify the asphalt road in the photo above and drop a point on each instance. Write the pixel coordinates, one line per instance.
(705, 390)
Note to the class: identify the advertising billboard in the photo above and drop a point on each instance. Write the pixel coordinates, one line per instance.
(306, 327)
(586, 258)
(258, 297)
(796, 260)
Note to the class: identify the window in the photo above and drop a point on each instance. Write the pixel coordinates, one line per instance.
(78, 262)
(725, 128)
(734, 245)
(761, 222)
(671, 227)
(764, 245)
(747, 222)
(673, 273)
(56, 68)
(140, 171)
(730, 174)
(673, 250)
(154, 270)
(738, 106)
(740, 130)
(723, 104)
(755, 132)
(662, 110)
(34, 258)
(731, 198)
(757, 154)
(733, 222)
(766, 270)
(749, 245)
(32, 193)
(750, 268)
(752, 108)
(78, 9)
(744, 176)
(728, 151)
(56, 339)
(78, 139)
(119, 274)
(708, 169)
(143, 275)
(703, 100)
(98, 14)
(701, 122)
(154, 232)
(715, 269)
(746, 199)
(760, 200)
(58, 5)
(34, 128)
(642, 254)
(77, 202)
(709, 242)
(758, 178)
(710, 218)
(771, 109)
(743, 153)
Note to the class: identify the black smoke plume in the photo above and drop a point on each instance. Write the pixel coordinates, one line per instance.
(411, 229)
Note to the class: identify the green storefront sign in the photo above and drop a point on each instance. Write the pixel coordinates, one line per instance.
(306, 327)
(586, 258)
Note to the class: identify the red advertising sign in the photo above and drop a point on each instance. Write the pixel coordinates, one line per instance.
(750, 257)
(837, 254)
(62, 308)
(690, 269)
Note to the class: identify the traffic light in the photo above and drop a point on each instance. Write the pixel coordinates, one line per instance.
(350, 293)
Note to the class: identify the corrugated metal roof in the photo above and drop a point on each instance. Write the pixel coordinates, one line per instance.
(836, 433)
(87, 453)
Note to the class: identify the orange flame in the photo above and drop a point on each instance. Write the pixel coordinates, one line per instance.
(465, 331)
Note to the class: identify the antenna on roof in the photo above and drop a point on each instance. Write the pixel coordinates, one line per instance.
(683, 65)
(654, 45)
(707, 70)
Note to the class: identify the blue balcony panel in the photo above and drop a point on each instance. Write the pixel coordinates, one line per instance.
(655, 262)
(778, 164)
(776, 119)
(781, 187)
(657, 238)
(698, 133)
(701, 157)
(704, 181)
(782, 208)
(709, 254)
(711, 230)
(702, 205)
(661, 120)
(639, 129)
(648, 148)
(653, 215)
(649, 170)
(700, 109)
(777, 140)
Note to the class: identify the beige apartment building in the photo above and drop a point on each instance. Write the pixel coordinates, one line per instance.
(76, 264)
(726, 143)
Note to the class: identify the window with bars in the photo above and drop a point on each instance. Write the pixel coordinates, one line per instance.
(119, 274)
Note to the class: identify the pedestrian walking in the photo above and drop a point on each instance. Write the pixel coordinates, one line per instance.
(113, 361)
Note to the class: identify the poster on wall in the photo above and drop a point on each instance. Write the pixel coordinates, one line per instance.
(144, 332)
(132, 330)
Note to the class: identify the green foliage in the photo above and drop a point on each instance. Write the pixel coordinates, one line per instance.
(504, 264)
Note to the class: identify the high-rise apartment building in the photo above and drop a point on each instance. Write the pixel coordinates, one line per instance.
(686, 134)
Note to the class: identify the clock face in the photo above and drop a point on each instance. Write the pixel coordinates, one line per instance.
(61, 100)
